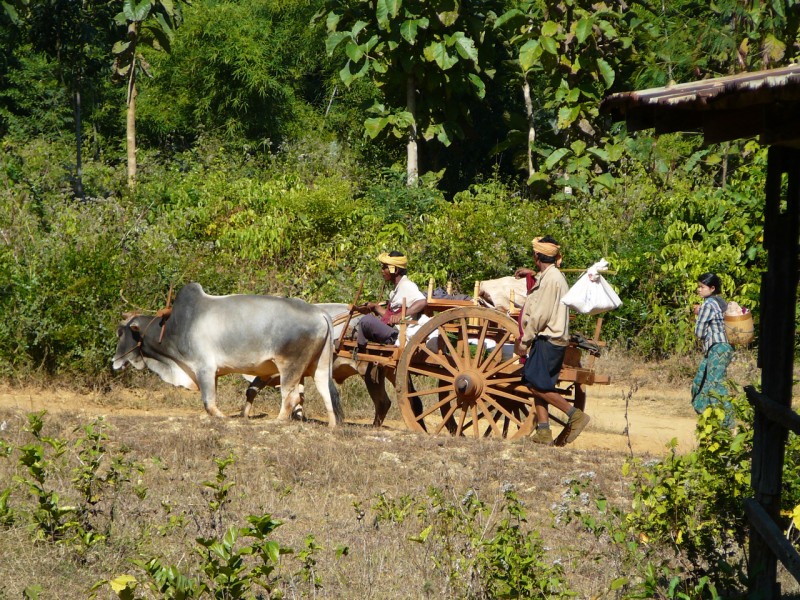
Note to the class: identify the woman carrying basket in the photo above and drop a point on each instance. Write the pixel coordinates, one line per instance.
(708, 387)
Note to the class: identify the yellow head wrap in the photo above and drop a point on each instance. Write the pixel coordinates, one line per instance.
(548, 249)
(395, 261)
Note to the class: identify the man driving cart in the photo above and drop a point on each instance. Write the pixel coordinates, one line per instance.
(379, 323)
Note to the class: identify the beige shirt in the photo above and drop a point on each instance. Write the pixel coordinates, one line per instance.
(404, 290)
(543, 313)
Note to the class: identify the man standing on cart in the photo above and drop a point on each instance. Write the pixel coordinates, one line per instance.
(545, 337)
(378, 324)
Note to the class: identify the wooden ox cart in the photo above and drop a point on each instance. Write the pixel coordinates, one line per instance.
(458, 373)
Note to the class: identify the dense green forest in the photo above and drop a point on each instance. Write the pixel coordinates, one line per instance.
(277, 146)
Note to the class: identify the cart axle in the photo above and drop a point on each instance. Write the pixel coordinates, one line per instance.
(468, 386)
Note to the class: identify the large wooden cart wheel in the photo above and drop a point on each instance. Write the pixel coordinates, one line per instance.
(459, 375)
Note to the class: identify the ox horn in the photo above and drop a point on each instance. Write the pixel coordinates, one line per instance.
(138, 309)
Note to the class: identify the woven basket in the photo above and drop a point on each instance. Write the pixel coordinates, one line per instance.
(739, 329)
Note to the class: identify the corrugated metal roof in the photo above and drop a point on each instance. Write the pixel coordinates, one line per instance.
(765, 103)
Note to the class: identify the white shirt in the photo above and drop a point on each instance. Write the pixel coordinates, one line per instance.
(405, 289)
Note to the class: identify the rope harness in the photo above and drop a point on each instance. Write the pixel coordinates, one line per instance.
(162, 314)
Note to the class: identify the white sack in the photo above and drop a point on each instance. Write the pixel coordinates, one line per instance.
(592, 294)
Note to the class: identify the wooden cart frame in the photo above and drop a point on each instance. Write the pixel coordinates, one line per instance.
(458, 373)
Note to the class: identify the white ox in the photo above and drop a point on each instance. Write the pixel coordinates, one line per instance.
(209, 336)
(494, 293)
(374, 376)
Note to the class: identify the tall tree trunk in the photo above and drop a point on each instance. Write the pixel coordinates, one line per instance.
(78, 145)
(526, 92)
(130, 136)
(130, 128)
(412, 168)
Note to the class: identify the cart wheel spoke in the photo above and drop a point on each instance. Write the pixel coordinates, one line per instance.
(446, 418)
(465, 351)
(504, 367)
(429, 372)
(498, 351)
(504, 393)
(436, 390)
(492, 418)
(437, 406)
(437, 358)
(499, 408)
(484, 328)
(460, 428)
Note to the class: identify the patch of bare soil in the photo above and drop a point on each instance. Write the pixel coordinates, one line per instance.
(645, 407)
(642, 422)
(329, 483)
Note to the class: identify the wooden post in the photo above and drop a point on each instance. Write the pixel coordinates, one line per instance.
(775, 355)
(403, 325)
(430, 289)
(477, 292)
(349, 315)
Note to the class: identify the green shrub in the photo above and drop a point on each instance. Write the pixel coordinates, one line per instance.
(694, 501)
(79, 516)
(487, 551)
(310, 225)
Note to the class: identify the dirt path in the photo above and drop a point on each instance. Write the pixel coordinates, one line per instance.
(648, 420)
(642, 422)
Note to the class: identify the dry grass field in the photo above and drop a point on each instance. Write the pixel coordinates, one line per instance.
(347, 487)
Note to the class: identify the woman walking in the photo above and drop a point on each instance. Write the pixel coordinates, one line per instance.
(708, 387)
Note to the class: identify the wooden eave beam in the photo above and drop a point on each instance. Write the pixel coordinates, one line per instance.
(661, 119)
(727, 125)
(775, 123)
(671, 121)
(722, 114)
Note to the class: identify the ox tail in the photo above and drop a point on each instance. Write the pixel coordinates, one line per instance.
(334, 391)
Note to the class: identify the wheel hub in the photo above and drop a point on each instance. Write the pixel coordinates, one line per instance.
(468, 386)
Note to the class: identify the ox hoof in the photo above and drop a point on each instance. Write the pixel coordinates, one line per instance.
(297, 414)
(213, 411)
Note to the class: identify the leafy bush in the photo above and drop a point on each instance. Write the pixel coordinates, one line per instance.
(311, 225)
(32, 101)
(238, 69)
(225, 569)
(683, 536)
(704, 229)
(79, 516)
(61, 284)
(694, 501)
(484, 551)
